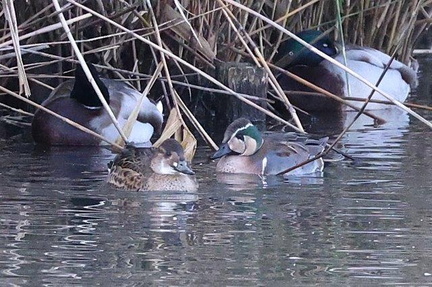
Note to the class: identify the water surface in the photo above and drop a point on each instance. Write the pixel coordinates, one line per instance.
(359, 223)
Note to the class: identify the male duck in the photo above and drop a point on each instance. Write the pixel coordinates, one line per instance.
(367, 62)
(153, 169)
(245, 150)
(77, 100)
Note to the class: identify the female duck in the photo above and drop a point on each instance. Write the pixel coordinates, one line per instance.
(163, 168)
(77, 100)
(245, 150)
(367, 62)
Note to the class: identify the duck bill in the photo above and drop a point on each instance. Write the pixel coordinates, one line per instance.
(224, 149)
(183, 167)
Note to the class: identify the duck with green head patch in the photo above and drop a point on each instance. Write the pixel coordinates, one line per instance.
(367, 62)
(152, 169)
(245, 150)
(77, 100)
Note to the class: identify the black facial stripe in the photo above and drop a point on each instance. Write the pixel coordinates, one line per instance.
(240, 136)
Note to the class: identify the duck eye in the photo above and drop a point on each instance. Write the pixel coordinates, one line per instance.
(291, 53)
(240, 137)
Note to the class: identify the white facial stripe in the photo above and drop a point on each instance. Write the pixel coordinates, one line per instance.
(241, 129)
(166, 169)
(160, 165)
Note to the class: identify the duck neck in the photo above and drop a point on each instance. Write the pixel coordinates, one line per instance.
(84, 92)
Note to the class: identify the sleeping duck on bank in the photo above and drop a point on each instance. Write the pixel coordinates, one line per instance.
(77, 100)
(367, 62)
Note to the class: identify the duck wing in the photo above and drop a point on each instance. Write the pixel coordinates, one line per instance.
(288, 150)
(137, 159)
(380, 59)
(61, 91)
(125, 98)
(131, 168)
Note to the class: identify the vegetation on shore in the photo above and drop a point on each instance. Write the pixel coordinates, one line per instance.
(172, 45)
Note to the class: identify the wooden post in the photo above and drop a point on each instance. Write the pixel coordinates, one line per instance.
(244, 78)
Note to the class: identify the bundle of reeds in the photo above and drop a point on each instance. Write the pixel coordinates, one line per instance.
(174, 39)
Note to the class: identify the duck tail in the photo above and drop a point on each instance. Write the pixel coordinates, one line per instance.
(409, 75)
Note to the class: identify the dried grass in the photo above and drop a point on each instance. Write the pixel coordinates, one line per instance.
(186, 37)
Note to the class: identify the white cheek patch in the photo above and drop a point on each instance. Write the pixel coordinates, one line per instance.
(166, 169)
(163, 168)
(250, 146)
(237, 145)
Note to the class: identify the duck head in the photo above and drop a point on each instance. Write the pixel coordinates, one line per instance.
(292, 53)
(83, 91)
(170, 159)
(241, 138)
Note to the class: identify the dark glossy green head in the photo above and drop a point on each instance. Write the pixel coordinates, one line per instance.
(292, 53)
(83, 91)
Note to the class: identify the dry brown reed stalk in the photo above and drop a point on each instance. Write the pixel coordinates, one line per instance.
(219, 91)
(381, 24)
(9, 11)
(87, 71)
(324, 92)
(185, 63)
(411, 105)
(127, 128)
(79, 55)
(261, 62)
(328, 94)
(194, 34)
(245, 46)
(175, 127)
(188, 141)
(20, 111)
(371, 85)
(72, 123)
(377, 24)
(345, 130)
(43, 30)
(346, 69)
